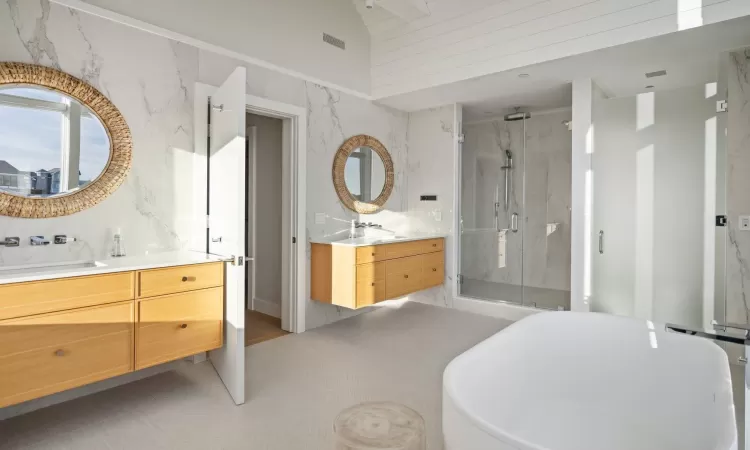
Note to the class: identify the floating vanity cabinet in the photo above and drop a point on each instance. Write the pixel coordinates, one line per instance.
(61, 333)
(357, 276)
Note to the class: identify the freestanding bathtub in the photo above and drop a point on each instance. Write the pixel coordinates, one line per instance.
(588, 381)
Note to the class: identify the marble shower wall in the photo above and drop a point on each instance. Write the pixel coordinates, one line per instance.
(533, 257)
(738, 187)
(150, 79)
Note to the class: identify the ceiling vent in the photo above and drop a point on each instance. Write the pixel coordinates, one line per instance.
(336, 42)
(658, 73)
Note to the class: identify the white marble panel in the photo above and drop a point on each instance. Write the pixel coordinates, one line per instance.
(150, 79)
(738, 186)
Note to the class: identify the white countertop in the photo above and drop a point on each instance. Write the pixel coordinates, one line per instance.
(36, 272)
(374, 240)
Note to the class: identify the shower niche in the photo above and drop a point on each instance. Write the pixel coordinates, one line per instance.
(515, 207)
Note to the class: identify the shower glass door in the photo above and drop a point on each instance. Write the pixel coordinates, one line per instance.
(492, 230)
(515, 210)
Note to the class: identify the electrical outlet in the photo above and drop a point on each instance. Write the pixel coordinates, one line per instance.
(320, 218)
(744, 223)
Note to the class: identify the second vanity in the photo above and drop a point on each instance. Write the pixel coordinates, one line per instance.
(70, 325)
(355, 273)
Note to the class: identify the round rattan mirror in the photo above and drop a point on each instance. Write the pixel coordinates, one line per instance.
(64, 146)
(363, 174)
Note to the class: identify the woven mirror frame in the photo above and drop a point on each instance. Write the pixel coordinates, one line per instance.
(339, 184)
(121, 144)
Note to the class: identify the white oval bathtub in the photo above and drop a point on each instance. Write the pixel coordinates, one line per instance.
(587, 381)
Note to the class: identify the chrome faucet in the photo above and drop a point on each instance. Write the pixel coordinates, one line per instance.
(11, 242)
(38, 240)
(357, 224)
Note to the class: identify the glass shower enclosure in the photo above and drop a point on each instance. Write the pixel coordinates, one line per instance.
(515, 210)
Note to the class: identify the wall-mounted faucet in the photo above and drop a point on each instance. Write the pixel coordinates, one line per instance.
(357, 224)
(62, 239)
(38, 240)
(11, 242)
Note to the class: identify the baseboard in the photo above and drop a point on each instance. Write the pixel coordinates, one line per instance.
(266, 307)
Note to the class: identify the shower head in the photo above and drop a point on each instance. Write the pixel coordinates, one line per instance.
(517, 116)
(509, 154)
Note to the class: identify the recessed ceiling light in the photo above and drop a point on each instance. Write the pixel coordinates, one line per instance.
(523, 75)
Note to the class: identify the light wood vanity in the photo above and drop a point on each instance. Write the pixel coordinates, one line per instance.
(358, 276)
(61, 333)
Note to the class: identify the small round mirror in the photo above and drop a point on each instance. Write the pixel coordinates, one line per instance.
(50, 144)
(364, 174)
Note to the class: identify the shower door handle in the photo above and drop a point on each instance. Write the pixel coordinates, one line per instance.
(601, 242)
(497, 216)
(514, 223)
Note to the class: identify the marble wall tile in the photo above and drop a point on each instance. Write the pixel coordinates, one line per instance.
(738, 186)
(150, 79)
(539, 193)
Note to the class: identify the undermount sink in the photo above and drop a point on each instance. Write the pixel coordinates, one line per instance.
(46, 268)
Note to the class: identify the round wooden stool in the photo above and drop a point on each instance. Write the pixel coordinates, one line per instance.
(379, 425)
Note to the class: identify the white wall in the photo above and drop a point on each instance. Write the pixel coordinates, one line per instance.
(464, 39)
(287, 33)
(267, 263)
(648, 169)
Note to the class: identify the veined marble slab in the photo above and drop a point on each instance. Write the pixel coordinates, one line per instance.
(37, 272)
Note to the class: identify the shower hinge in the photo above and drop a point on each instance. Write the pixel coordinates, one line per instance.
(460, 280)
(461, 138)
(722, 106)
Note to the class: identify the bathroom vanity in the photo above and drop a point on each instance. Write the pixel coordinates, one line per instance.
(67, 325)
(355, 273)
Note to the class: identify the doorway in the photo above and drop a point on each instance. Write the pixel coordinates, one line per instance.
(220, 192)
(263, 299)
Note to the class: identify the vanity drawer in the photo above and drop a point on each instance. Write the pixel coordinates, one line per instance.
(403, 249)
(432, 245)
(49, 353)
(179, 279)
(39, 297)
(178, 325)
(370, 254)
(370, 284)
(403, 276)
(433, 269)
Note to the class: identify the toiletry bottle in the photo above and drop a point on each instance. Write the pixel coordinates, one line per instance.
(118, 246)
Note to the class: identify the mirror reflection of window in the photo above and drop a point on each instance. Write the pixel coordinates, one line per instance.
(49, 143)
(364, 174)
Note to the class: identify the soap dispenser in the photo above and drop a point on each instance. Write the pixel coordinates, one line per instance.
(118, 246)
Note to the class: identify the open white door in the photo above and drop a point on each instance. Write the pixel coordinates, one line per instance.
(226, 209)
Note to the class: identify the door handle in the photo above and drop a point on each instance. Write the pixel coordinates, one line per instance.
(218, 239)
(514, 223)
(601, 242)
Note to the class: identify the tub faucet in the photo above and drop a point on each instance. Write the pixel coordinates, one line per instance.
(11, 242)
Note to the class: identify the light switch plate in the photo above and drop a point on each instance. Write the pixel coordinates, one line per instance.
(744, 223)
(438, 215)
(320, 218)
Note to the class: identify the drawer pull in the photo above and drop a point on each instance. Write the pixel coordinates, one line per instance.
(373, 284)
(188, 278)
(373, 254)
(434, 245)
(60, 352)
(434, 269)
(406, 276)
(183, 326)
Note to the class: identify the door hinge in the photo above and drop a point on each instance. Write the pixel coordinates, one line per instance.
(722, 106)
(721, 221)
(294, 239)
